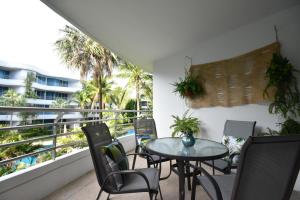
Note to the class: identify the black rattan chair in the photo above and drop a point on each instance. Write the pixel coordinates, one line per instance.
(145, 129)
(135, 180)
(267, 170)
(239, 129)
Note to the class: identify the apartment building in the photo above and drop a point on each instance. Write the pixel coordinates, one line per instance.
(48, 87)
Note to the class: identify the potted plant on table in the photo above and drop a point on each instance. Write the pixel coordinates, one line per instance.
(186, 127)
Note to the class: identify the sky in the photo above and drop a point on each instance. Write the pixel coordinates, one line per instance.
(28, 30)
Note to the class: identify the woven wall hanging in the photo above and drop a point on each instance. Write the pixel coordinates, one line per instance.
(235, 81)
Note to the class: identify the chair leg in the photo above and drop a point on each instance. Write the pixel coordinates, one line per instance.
(161, 198)
(148, 164)
(108, 196)
(170, 171)
(200, 166)
(99, 194)
(133, 162)
(155, 197)
(187, 170)
(194, 188)
(150, 195)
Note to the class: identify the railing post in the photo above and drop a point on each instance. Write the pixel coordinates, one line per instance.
(116, 121)
(54, 132)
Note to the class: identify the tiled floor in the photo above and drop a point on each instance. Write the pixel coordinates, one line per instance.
(87, 188)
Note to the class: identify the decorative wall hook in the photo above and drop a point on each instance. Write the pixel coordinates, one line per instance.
(276, 33)
(190, 59)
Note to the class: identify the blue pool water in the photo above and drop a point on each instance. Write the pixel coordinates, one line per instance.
(130, 132)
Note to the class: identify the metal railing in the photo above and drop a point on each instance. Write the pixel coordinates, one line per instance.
(88, 116)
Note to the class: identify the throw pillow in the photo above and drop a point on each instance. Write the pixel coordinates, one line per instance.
(115, 182)
(117, 178)
(234, 145)
(116, 152)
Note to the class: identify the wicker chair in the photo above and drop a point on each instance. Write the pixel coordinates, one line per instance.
(267, 171)
(135, 180)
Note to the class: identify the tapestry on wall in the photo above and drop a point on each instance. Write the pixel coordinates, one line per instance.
(236, 81)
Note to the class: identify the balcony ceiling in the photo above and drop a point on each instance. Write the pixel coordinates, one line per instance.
(144, 31)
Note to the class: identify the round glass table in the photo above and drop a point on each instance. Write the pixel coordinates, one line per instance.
(174, 149)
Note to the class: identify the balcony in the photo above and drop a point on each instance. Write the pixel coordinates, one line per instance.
(11, 82)
(68, 89)
(71, 175)
(73, 164)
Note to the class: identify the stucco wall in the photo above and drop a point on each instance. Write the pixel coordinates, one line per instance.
(230, 44)
(236, 42)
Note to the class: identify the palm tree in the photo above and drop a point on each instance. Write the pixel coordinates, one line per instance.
(12, 98)
(29, 91)
(85, 96)
(119, 97)
(137, 78)
(60, 103)
(81, 52)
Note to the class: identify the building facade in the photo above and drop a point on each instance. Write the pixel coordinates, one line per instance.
(47, 88)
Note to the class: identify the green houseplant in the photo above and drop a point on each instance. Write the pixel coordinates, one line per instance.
(281, 79)
(286, 102)
(189, 86)
(186, 127)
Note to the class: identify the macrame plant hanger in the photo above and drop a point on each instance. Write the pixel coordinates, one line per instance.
(187, 70)
(276, 38)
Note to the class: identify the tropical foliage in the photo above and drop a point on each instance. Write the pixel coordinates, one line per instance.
(95, 64)
(189, 86)
(281, 78)
(80, 52)
(60, 103)
(137, 78)
(286, 103)
(29, 91)
(185, 125)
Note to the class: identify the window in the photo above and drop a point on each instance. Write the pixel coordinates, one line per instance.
(51, 81)
(65, 83)
(56, 95)
(40, 94)
(4, 74)
(41, 79)
(56, 82)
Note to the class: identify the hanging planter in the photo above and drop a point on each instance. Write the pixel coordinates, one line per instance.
(189, 87)
(281, 80)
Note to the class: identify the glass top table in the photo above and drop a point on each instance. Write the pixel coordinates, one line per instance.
(173, 148)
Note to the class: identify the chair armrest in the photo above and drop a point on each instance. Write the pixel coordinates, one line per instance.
(210, 178)
(123, 172)
(141, 154)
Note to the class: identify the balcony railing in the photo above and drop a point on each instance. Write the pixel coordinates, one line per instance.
(119, 122)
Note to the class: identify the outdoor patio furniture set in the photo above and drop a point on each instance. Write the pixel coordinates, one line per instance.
(266, 167)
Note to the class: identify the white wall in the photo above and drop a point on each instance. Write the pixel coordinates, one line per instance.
(18, 74)
(230, 44)
(233, 43)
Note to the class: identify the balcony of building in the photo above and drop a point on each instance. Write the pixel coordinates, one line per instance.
(164, 37)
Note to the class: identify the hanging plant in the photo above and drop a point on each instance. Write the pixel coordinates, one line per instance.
(288, 127)
(282, 81)
(189, 87)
